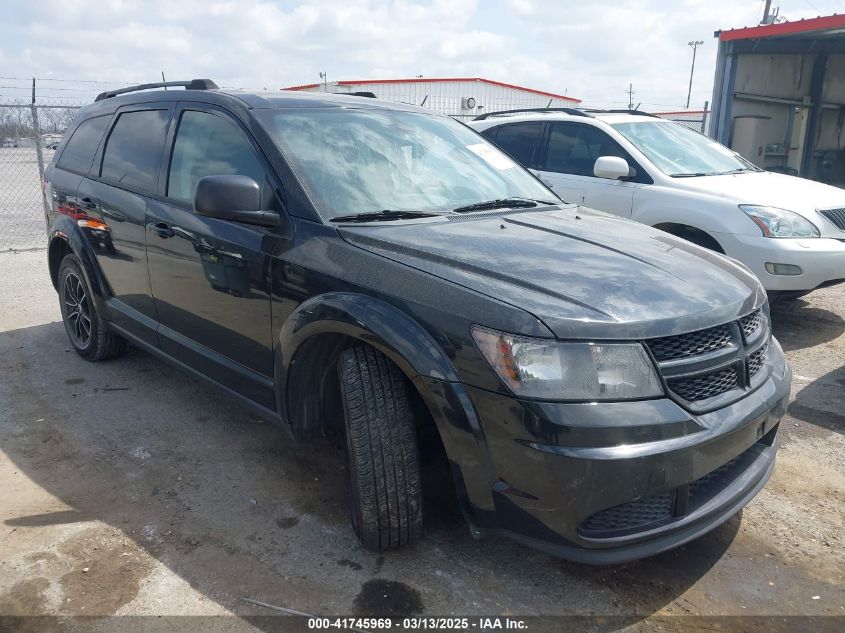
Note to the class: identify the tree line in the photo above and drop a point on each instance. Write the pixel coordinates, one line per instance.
(16, 120)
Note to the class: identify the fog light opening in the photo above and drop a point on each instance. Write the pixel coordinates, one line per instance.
(783, 269)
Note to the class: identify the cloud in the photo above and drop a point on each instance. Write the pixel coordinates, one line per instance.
(522, 7)
(472, 44)
(590, 50)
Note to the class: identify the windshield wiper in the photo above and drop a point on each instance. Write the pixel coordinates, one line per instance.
(380, 216)
(501, 203)
(738, 170)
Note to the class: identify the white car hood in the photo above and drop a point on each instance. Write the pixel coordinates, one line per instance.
(767, 188)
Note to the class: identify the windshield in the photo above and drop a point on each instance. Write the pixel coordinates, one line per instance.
(366, 161)
(679, 151)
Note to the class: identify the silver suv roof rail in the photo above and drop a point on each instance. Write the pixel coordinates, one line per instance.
(572, 111)
(193, 84)
(621, 111)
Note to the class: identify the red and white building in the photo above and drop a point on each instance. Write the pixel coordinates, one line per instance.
(460, 97)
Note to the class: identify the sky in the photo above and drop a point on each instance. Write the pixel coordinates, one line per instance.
(589, 50)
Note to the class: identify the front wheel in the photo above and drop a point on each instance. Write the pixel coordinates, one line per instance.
(786, 296)
(84, 326)
(386, 495)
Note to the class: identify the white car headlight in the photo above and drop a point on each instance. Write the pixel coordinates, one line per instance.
(774, 222)
(551, 370)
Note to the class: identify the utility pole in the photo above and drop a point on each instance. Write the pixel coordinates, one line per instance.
(766, 10)
(694, 46)
(631, 93)
(325, 81)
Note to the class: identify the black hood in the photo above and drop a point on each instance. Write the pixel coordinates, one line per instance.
(585, 274)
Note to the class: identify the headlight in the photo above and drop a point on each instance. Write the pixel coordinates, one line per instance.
(776, 222)
(540, 368)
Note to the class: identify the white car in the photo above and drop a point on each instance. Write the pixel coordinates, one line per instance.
(789, 231)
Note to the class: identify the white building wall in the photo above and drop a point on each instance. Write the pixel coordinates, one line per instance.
(447, 97)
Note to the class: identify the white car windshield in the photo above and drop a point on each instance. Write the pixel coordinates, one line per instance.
(681, 152)
(356, 161)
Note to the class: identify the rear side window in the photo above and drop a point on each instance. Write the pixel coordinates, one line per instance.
(520, 141)
(209, 145)
(133, 149)
(80, 149)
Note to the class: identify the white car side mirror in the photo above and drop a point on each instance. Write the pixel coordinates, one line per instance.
(611, 167)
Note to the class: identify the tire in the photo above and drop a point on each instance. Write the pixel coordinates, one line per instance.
(699, 238)
(84, 326)
(386, 495)
(786, 296)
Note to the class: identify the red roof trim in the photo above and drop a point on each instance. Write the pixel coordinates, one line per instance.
(419, 80)
(302, 87)
(784, 28)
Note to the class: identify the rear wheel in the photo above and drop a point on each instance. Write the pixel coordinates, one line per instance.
(386, 495)
(84, 326)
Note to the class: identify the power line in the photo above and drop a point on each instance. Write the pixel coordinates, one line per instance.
(78, 81)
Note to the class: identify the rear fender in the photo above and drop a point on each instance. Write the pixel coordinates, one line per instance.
(68, 232)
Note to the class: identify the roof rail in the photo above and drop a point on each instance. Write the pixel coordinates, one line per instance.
(193, 84)
(572, 111)
(621, 111)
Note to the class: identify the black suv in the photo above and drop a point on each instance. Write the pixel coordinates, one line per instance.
(603, 390)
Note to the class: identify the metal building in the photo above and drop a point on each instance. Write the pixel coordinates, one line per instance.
(460, 97)
(694, 119)
(779, 96)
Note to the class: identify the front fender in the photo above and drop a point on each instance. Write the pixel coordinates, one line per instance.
(417, 354)
(375, 322)
(712, 214)
(66, 230)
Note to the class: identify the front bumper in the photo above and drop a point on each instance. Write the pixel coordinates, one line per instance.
(612, 482)
(822, 260)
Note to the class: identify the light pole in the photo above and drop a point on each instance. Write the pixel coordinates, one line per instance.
(694, 45)
(325, 81)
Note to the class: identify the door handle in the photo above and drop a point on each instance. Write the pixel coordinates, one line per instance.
(162, 229)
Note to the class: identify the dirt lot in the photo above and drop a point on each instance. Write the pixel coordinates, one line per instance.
(130, 489)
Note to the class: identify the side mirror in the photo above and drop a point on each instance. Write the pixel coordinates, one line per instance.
(611, 167)
(232, 197)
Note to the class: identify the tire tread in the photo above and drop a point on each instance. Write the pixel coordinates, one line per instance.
(382, 449)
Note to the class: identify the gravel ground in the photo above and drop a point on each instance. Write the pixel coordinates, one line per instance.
(131, 489)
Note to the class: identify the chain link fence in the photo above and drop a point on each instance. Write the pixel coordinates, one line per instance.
(29, 134)
(34, 114)
(694, 119)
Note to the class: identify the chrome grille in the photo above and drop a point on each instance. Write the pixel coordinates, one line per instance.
(751, 323)
(837, 216)
(705, 386)
(691, 344)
